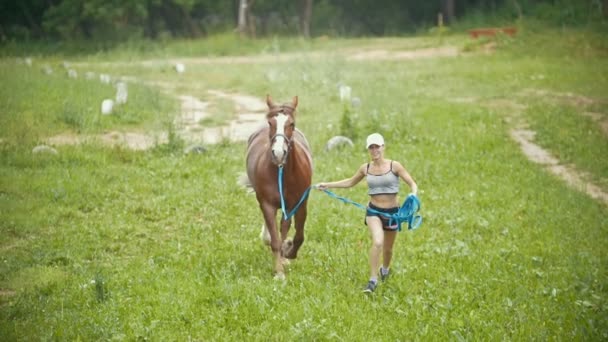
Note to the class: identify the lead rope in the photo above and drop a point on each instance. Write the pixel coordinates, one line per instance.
(406, 213)
(288, 215)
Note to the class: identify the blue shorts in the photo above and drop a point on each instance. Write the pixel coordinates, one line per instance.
(385, 220)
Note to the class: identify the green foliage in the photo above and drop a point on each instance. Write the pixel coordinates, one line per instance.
(175, 143)
(347, 126)
(100, 288)
(568, 13)
(114, 21)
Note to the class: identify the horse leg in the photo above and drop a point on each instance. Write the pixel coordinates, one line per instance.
(269, 213)
(298, 238)
(265, 235)
(285, 228)
(286, 242)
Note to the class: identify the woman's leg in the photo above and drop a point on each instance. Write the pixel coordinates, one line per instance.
(376, 233)
(387, 249)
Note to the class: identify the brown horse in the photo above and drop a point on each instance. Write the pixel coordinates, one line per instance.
(280, 145)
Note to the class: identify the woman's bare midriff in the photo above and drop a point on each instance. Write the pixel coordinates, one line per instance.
(385, 201)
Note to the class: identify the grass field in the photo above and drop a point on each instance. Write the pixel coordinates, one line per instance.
(105, 243)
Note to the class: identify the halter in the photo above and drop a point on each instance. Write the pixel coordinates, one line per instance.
(284, 137)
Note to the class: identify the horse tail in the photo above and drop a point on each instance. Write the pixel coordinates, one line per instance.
(245, 182)
(265, 235)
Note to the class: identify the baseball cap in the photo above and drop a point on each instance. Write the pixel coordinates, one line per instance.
(375, 139)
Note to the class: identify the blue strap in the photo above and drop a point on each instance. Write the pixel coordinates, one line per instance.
(406, 212)
(288, 215)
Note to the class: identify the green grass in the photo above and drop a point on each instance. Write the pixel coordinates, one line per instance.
(104, 243)
(35, 105)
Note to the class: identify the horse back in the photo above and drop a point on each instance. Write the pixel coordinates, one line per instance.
(300, 139)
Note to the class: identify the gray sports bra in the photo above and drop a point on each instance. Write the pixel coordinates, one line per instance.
(387, 183)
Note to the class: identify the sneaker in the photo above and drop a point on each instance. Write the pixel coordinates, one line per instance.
(371, 286)
(384, 276)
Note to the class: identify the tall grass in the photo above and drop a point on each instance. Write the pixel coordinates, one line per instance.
(110, 244)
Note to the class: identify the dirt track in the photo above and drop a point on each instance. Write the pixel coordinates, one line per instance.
(524, 136)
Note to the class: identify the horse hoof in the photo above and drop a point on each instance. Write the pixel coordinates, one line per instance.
(287, 246)
(291, 255)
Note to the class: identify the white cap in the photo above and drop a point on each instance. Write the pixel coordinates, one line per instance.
(375, 139)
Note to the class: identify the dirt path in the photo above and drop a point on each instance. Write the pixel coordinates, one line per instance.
(250, 112)
(348, 54)
(568, 173)
(524, 136)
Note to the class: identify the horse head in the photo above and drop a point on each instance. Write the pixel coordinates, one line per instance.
(281, 123)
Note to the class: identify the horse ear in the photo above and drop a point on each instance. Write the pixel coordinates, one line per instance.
(269, 101)
(294, 102)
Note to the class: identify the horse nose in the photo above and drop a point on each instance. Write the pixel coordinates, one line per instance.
(278, 153)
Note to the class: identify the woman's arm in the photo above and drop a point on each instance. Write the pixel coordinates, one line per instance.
(345, 183)
(403, 174)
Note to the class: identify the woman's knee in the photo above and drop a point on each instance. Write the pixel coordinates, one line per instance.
(389, 241)
(375, 229)
(377, 243)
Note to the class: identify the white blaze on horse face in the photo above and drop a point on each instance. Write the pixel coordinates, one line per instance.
(279, 147)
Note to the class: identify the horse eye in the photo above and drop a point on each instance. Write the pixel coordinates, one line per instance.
(293, 125)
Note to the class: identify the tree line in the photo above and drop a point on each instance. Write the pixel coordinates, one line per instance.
(159, 19)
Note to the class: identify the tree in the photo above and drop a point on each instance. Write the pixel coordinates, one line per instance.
(448, 10)
(305, 17)
(518, 9)
(185, 8)
(244, 17)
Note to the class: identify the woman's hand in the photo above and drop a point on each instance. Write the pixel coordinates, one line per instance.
(321, 186)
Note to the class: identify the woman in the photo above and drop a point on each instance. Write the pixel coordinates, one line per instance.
(383, 181)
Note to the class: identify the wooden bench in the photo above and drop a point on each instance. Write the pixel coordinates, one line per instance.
(491, 32)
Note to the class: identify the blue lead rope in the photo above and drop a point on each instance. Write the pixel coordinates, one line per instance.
(406, 213)
(288, 215)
